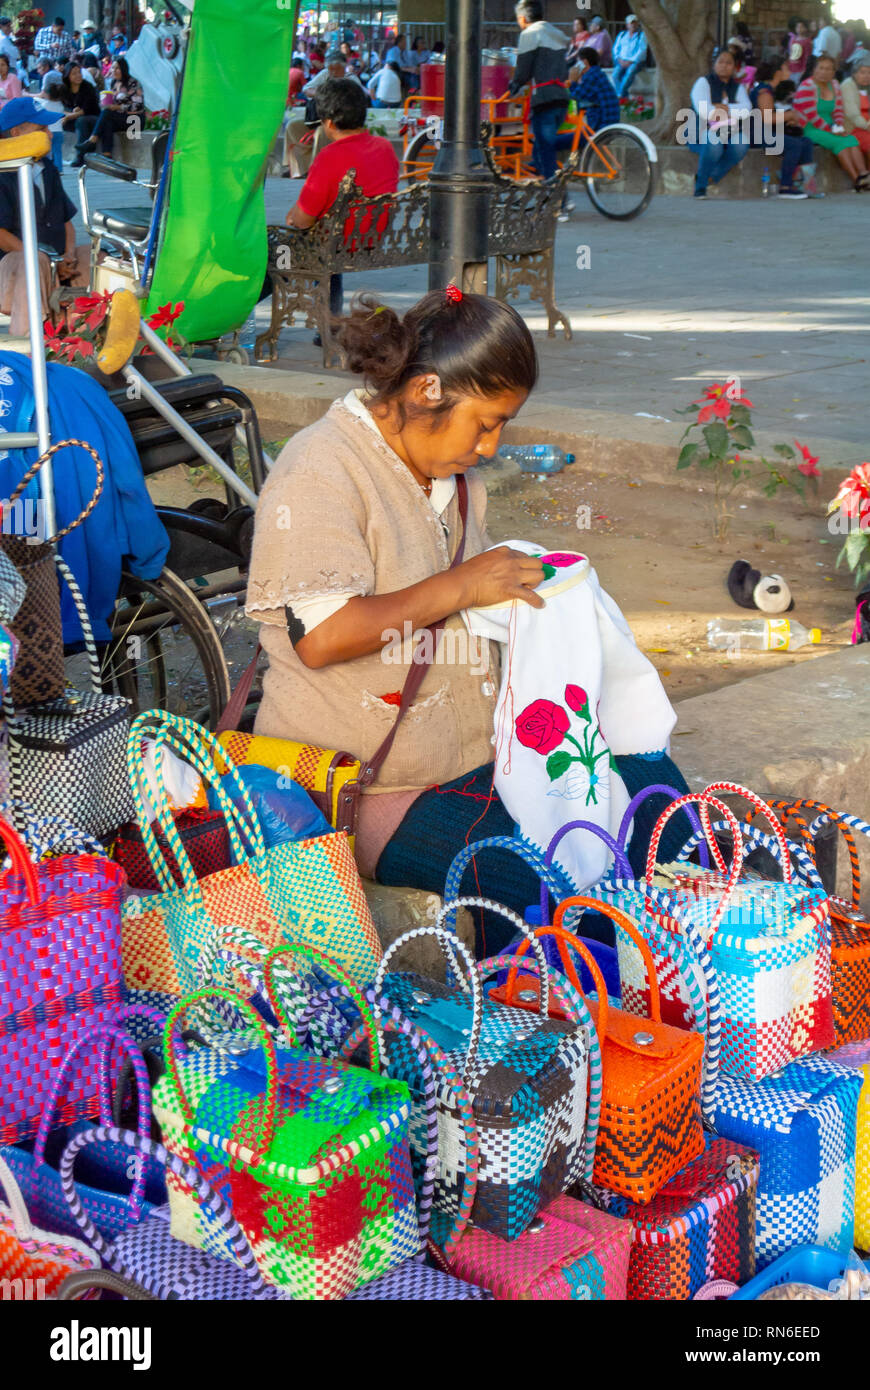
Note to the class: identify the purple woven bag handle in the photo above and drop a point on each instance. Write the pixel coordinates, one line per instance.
(614, 847)
(659, 789)
(110, 1037)
(205, 1195)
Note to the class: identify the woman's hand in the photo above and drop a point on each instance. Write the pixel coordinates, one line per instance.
(498, 575)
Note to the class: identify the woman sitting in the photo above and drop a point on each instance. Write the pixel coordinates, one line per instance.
(820, 101)
(122, 104)
(385, 87)
(10, 83)
(380, 494)
(796, 150)
(79, 99)
(856, 100)
(720, 105)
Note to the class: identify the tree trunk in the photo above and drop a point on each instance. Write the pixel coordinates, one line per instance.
(681, 34)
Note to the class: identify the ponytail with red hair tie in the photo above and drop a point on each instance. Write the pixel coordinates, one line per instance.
(453, 294)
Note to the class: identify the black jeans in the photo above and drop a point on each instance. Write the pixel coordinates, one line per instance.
(83, 127)
(108, 122)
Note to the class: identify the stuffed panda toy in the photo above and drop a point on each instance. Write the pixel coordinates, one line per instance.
(751, 589)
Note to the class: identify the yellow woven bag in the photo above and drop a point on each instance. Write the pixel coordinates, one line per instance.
(325, 774)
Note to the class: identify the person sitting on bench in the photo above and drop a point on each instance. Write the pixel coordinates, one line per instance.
(54, 221)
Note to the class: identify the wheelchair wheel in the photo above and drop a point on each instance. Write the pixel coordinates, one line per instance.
(618, 173)
(165, 650)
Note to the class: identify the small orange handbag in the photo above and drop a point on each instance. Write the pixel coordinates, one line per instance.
(650, 1123)
(850, 928)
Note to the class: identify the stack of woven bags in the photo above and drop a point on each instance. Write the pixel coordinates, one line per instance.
(216, 1083)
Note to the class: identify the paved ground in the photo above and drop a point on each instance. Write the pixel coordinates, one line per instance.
(689, 293)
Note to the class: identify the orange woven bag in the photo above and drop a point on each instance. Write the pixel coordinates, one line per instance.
(650, 1123)
(850, 927)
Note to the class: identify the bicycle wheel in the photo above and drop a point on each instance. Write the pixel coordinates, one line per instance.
(618, 173)
(165, 650)
(419, 157)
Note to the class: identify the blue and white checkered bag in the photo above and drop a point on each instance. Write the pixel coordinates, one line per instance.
(802, 1120)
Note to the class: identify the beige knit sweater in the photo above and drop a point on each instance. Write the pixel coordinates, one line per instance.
(341, 513)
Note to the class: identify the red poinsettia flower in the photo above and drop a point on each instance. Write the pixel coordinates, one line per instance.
(165, 316)
(575, 697)
(542, 726)
(810, 465)
(93, 308)
(853, 497)
(717, 401)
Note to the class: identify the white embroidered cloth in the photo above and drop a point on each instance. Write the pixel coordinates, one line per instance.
(575, 689)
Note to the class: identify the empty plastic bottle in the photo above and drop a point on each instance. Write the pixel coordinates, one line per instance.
(536, 458)
(765, 182)
(759, 635)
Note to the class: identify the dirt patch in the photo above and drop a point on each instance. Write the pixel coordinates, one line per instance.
(652, 549)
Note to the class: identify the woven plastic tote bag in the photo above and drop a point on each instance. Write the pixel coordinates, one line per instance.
(33, 1263)
(850, 927)
(802, 1121)
(312, 1156)
(527, 1076)
(857, 1054)
(768, 941)
(699, 1226)
(303, 891)
(60, 973)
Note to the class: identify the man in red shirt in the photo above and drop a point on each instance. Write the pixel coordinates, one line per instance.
(341, 105)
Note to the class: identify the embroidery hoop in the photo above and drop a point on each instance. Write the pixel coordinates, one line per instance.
(565, 578)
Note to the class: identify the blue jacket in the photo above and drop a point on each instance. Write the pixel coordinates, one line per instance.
(124, 522)
(630, 47)
(595, 92)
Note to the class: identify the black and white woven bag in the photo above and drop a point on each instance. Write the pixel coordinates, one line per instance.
(68, 757)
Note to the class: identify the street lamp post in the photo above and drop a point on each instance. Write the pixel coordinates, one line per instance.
(460, 179)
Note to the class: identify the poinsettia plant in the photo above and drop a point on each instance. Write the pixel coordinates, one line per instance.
(727, 451)
(82, 324)
(851, 508)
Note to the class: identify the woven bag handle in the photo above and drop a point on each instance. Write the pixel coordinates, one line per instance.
(449, 943)
(267, 1128)
(109, 1036)
(80, 1284)
(522, 927)
(704, 801)
(43, 834)
(565, 938)
(660, 789)
(555, 878)
(197, 747)
(620, 862)
(221, 956)
(9, 1189)
(853, 823)
(37, 465)
(318, 957)
(204, 1193)
(791, 811)
(762, 808)
(576, 1010)
(620, 919)
(754, 838)
(21, 861)
(84, 618)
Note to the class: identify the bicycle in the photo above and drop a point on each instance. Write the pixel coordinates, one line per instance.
(615, 163)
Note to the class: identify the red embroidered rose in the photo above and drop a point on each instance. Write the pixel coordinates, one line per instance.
(575, 697)
(542, 726)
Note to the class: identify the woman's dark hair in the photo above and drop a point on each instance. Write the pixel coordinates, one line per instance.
(742, 28)
(477, 347)
(438, 46)
(417, 40)
(783, 90)
(73, 63)
(394, 67)
(590, 56)
(765, 70)
(343, 102)
(125, 69)
(815, 59)
(531, 10)
(793, 21)
(4, 59)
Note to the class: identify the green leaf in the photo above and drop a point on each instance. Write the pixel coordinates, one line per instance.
(708, 461)
(742, 437)
(558, 764)
(856, 546)
(785, 451)
(862, 573)
(717, 438)
(740, 414)
(687, 455)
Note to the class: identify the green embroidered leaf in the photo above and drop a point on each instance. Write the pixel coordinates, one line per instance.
(558, 764)
(549, 571)
(613, 764)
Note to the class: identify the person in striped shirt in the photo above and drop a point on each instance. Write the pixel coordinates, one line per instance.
(819, 100)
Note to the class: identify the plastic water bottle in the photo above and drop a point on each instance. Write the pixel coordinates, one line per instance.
(759, 635)
(536, 458)
(765, 182)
